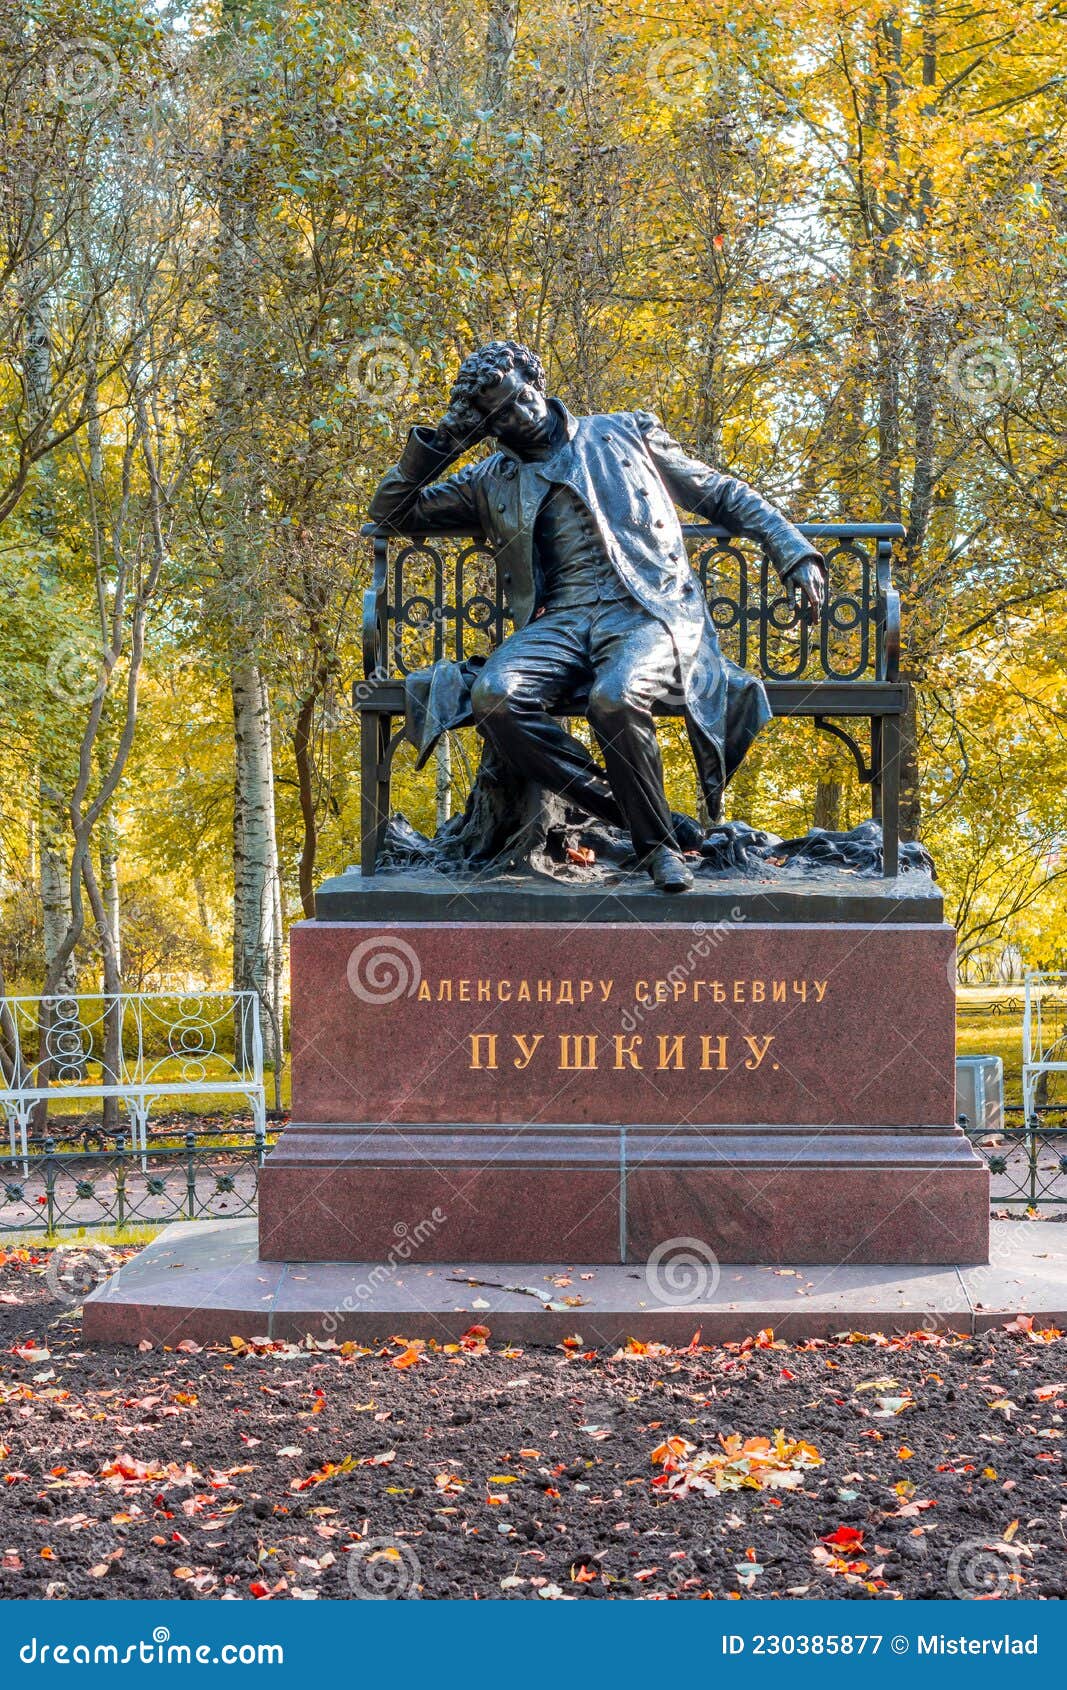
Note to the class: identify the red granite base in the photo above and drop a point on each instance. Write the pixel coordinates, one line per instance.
(556, 1044)
(512, 1022)
(608, 1194)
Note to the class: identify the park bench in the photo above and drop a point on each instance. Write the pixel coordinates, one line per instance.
(136, 1047)
(437, 596)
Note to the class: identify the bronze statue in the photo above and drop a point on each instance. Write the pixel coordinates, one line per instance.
(581, 515)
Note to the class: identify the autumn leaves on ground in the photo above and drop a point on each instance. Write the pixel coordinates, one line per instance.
(874, 1467)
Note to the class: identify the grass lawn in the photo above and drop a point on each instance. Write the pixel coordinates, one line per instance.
(989, 1022)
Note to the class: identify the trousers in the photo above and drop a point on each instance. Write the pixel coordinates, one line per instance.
(628, 662)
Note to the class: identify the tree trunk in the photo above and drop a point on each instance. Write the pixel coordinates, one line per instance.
(257, 934)
(54, 843)
(925, 411)
(828, 791)
(500, 36)
(257, 938)
(306, 790)
(107, 928)
(109, 874)
(55, 892)
(112, 954)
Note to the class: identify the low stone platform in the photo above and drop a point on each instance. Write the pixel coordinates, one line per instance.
(787, 894)
(204, 1280)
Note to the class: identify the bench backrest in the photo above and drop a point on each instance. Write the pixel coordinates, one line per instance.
(437, 596)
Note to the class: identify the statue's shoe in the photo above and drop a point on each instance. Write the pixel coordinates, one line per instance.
(668, 870)
(688, 834)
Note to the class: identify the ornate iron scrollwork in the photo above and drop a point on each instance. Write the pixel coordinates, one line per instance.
(749, 608)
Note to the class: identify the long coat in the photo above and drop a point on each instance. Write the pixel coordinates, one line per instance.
(631, 474)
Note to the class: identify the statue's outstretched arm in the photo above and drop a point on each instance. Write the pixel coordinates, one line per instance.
(725, 500)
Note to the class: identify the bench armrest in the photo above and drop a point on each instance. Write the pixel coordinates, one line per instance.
(891, 639)
(887, 612)
(375, 625)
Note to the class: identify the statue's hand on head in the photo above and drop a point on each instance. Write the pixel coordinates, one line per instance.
(462, 426)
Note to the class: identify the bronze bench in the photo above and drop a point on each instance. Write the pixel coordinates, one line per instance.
(437, 596)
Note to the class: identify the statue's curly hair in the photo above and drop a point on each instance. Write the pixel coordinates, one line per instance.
(490, 363)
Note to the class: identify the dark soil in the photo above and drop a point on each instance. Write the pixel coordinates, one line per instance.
(235, 1473)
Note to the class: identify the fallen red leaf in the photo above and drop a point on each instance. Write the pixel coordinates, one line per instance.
(582, 855)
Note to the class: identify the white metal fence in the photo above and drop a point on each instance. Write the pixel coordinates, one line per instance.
(136, 1047)
(1044, 1043)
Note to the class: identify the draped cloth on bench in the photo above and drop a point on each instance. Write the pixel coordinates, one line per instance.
(438, 699)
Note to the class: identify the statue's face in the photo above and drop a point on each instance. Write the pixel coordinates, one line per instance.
(516, 412)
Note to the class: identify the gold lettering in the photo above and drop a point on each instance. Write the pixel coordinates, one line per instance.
(605, 989)
(464, 991)
(585, 989)
(524, 991)
(800, 987)
(484, 991)
(758, 991)
(565, 992)
(444, 991)
(544, 991)
(625, 1048)
(710, 1046)
(739, 991)
(577, 1050)
(820, 989)
(527, 1047)
(671, 1051)
(504, 997)
(778, 989)
(758, 1048)
(641, 992)
(477, 1041)
(424, 991)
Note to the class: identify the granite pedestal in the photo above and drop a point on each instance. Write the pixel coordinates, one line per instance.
(529, 1072)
